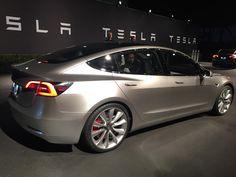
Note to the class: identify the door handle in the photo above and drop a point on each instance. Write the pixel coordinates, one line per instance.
(130, 84)
(178, 82)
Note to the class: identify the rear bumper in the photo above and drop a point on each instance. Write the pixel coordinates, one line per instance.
(65, 129)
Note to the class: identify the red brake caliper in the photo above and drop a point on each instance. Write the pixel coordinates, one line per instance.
(98, 121)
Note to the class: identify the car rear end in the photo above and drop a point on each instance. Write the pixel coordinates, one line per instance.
(225, 58)
(37, 101)
(41, 99)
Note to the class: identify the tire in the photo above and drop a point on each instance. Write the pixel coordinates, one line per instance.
(106, 128)
(223, 101)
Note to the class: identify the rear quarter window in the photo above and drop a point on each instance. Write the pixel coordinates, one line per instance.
(105, 63)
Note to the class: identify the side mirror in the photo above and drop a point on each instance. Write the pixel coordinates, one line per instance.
(208, 73)
(205, 72)
(211, 74)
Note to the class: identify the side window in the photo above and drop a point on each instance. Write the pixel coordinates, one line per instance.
(178, 64)
(143, 62)
(106, 63)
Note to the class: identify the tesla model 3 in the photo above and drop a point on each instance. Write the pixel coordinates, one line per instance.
(97, 93)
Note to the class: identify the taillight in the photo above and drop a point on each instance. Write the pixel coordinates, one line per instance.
(32, 85)
(46, 89)
(62, 86)
(215, 56)
(50, 89)
(233, 56)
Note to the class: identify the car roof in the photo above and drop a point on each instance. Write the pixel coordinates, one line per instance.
(89, 51)
(109, 45)
(118, 46)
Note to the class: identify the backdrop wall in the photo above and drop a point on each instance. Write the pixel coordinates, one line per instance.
(36, 27)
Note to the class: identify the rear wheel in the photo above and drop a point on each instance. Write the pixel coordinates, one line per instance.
(106, 128)
(223, 101)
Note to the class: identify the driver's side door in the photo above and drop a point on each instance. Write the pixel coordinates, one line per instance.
(190, 93)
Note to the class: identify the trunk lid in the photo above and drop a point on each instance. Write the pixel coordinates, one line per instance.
(25, 72)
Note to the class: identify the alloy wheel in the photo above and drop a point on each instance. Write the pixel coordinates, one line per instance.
(225, 100)
(109, 128)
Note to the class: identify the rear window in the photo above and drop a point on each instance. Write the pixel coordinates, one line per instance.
(73, 53)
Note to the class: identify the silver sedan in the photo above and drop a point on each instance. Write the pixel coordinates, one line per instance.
(97, 93)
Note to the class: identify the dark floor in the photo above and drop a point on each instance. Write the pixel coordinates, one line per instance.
(200, 145)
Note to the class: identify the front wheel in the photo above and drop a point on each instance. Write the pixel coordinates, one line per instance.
(106, 127)
(223, 101)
